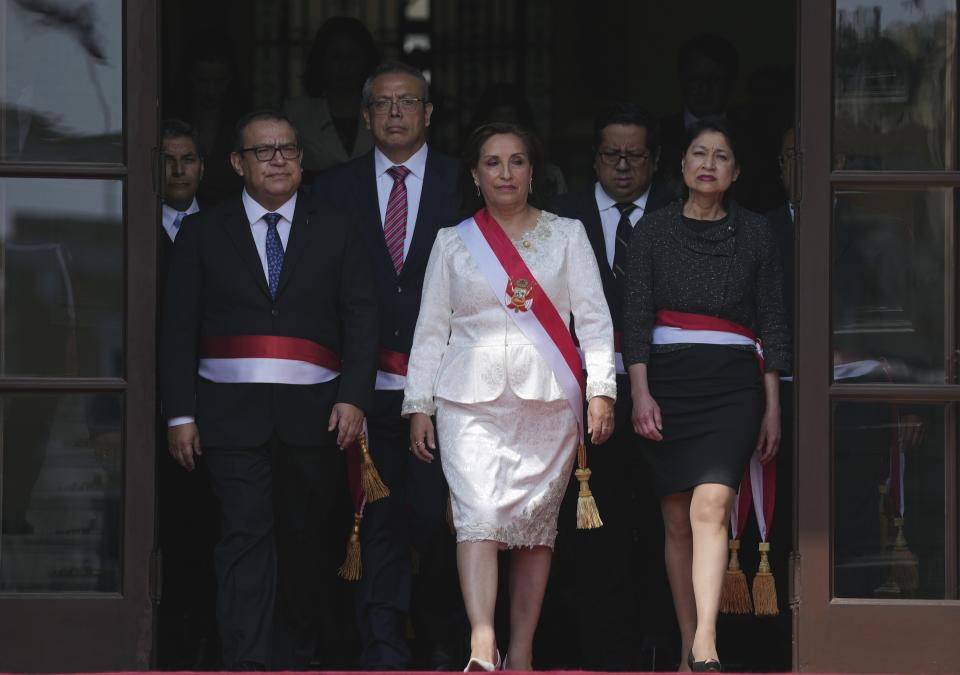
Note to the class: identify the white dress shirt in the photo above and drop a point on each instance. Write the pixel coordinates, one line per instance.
(258, 227)
(170, 217)
(417, 164)
(610, 217)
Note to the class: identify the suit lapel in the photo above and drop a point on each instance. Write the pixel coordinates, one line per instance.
(299, 235)
(238, 227)
(425, 229)
(370, 222)
(591, 222)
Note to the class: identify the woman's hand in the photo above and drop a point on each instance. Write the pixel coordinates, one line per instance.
(421, 437)
(646, 417)
(769, 441)
(600, 419)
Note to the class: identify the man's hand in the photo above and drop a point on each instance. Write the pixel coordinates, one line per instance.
(348, 420)
(184, 443)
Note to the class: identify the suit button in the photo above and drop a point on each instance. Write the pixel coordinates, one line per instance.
(396, 333)
(275, 312)
(399, 289)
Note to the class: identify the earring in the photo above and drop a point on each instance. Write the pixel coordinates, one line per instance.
(531, 185)
(478, 188)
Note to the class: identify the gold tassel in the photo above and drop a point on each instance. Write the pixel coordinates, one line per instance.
(370, 480)
(764, 587)
(453, 529)
(588, 516)
(904, 569)
(352, 568)
(734, 594)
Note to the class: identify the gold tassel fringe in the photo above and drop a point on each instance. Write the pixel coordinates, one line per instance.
(764, 587)
(904, 569)
(453, 530)
(735, 594)
(352, 568)
(588, 516)
(373, 486)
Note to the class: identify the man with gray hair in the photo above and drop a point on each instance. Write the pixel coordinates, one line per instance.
(404, 192)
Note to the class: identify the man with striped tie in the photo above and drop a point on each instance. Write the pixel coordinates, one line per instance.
(267, 363)
(404, 192)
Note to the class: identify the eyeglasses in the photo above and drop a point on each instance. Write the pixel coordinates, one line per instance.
(266, 153)
(613, 157)
(788, 155)
(408, 104)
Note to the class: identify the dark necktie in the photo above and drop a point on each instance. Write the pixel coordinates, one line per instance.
(274, 253)
(622, 242)
(395, 220)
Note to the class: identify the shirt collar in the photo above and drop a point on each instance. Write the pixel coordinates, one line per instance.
(605, 201)
(416, 163)
(255, 211)
(193, 208)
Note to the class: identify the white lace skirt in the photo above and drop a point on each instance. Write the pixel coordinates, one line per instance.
(507, 463)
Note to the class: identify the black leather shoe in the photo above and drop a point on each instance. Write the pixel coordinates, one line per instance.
(708, 666)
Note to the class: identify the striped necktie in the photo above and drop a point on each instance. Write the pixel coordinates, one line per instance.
(395, 221)
(274, 253)
(179, 219)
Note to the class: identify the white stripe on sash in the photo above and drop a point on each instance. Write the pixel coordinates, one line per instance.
(263, 371)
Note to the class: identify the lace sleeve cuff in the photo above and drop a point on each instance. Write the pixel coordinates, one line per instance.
(602, 388)
(418, 405)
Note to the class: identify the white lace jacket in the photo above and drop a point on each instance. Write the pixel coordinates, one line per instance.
(467, 348)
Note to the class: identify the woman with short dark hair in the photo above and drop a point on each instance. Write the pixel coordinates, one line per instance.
(704, 290)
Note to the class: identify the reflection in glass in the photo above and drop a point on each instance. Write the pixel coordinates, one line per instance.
(894, 73)
(60, 81)
(888, 495)
(887, 283)
(61, 492)
(61, 277)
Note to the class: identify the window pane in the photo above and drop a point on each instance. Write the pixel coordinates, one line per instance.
(60, 81)
(61, 277)
(888, 283)
(894, 74)
(61, 492)
(888, 461)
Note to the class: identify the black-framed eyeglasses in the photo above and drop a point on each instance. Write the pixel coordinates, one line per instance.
(613, 157)
(407, 104)
(266, 153)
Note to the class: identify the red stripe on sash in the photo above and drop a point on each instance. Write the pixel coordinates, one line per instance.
(392, 362)
(542, 307)
(268, 347)
(668, 317)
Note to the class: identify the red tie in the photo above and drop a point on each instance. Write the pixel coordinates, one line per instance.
(395, 222)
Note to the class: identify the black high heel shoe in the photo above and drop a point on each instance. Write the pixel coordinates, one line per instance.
(708, 666)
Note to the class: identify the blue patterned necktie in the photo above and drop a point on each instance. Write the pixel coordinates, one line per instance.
(274, 253)
(179, 219)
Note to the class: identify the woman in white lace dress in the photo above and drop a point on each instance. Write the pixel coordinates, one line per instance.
(507, 434)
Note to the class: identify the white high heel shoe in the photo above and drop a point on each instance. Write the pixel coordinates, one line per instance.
(481, 666)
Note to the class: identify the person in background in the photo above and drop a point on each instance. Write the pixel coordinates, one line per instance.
(186, 617)
(508, 433)
(267, 363)
(329, 116)
(404, 192)
(626, 148)
(704, 290)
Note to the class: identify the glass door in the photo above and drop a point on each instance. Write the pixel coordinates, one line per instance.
(78, 92)
(876, 579)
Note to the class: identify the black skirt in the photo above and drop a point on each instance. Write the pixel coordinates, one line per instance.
(711, 402)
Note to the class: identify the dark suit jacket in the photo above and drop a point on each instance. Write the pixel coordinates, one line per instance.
(216, 287)
(783, 229)
(582, 205)
(354, 186)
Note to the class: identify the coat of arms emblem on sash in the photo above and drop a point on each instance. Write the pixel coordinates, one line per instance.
(519, 295)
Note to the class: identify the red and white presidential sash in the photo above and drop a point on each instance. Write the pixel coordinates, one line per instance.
(266, 359)
(391, 370)
(672, 327)
(526, 303)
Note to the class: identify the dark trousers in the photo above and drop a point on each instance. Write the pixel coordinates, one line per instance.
(413, 515)
(280, 545)
(623, 606)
